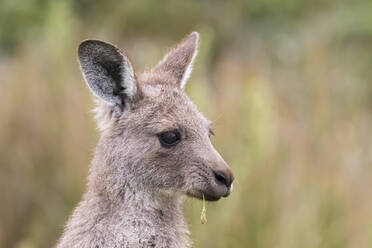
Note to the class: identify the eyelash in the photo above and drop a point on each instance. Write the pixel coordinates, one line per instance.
(211, 133)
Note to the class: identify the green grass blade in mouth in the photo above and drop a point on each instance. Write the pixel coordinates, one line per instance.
(203, 216)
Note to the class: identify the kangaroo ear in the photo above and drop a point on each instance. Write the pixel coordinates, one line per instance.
(107, 71)
(178, 62)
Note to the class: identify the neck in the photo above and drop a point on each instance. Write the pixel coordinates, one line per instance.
(126, 216)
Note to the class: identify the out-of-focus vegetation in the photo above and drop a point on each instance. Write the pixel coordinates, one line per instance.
(287, 84)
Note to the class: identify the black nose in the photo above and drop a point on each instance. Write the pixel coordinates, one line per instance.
(223, 178)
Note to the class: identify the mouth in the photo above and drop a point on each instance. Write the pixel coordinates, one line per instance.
(207, 197)
(211, 194)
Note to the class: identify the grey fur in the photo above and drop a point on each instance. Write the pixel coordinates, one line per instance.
(136, 187)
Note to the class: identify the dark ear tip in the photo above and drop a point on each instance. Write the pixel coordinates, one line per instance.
(86, 45)
(90, 46)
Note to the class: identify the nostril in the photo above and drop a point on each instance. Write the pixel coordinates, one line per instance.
(222, 178)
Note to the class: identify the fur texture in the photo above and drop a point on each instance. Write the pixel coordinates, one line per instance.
(136, 187)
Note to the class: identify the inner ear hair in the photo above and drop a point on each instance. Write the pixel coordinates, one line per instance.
(114, 71)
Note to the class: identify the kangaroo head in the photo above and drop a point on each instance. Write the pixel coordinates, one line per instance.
(151, 131)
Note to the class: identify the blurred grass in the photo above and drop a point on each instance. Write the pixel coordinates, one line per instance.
(287, 84)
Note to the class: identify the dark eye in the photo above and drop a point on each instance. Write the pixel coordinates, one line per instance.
(170, 138)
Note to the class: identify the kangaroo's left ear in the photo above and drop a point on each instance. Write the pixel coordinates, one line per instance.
(178, 62)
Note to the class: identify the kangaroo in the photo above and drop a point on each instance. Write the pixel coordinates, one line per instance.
(154, 150)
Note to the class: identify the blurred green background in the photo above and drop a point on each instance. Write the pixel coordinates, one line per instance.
(287, 84)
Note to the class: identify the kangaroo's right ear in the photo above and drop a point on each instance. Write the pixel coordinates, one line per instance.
(107, 71)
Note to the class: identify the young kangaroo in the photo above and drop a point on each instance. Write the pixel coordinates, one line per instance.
(154, 150)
